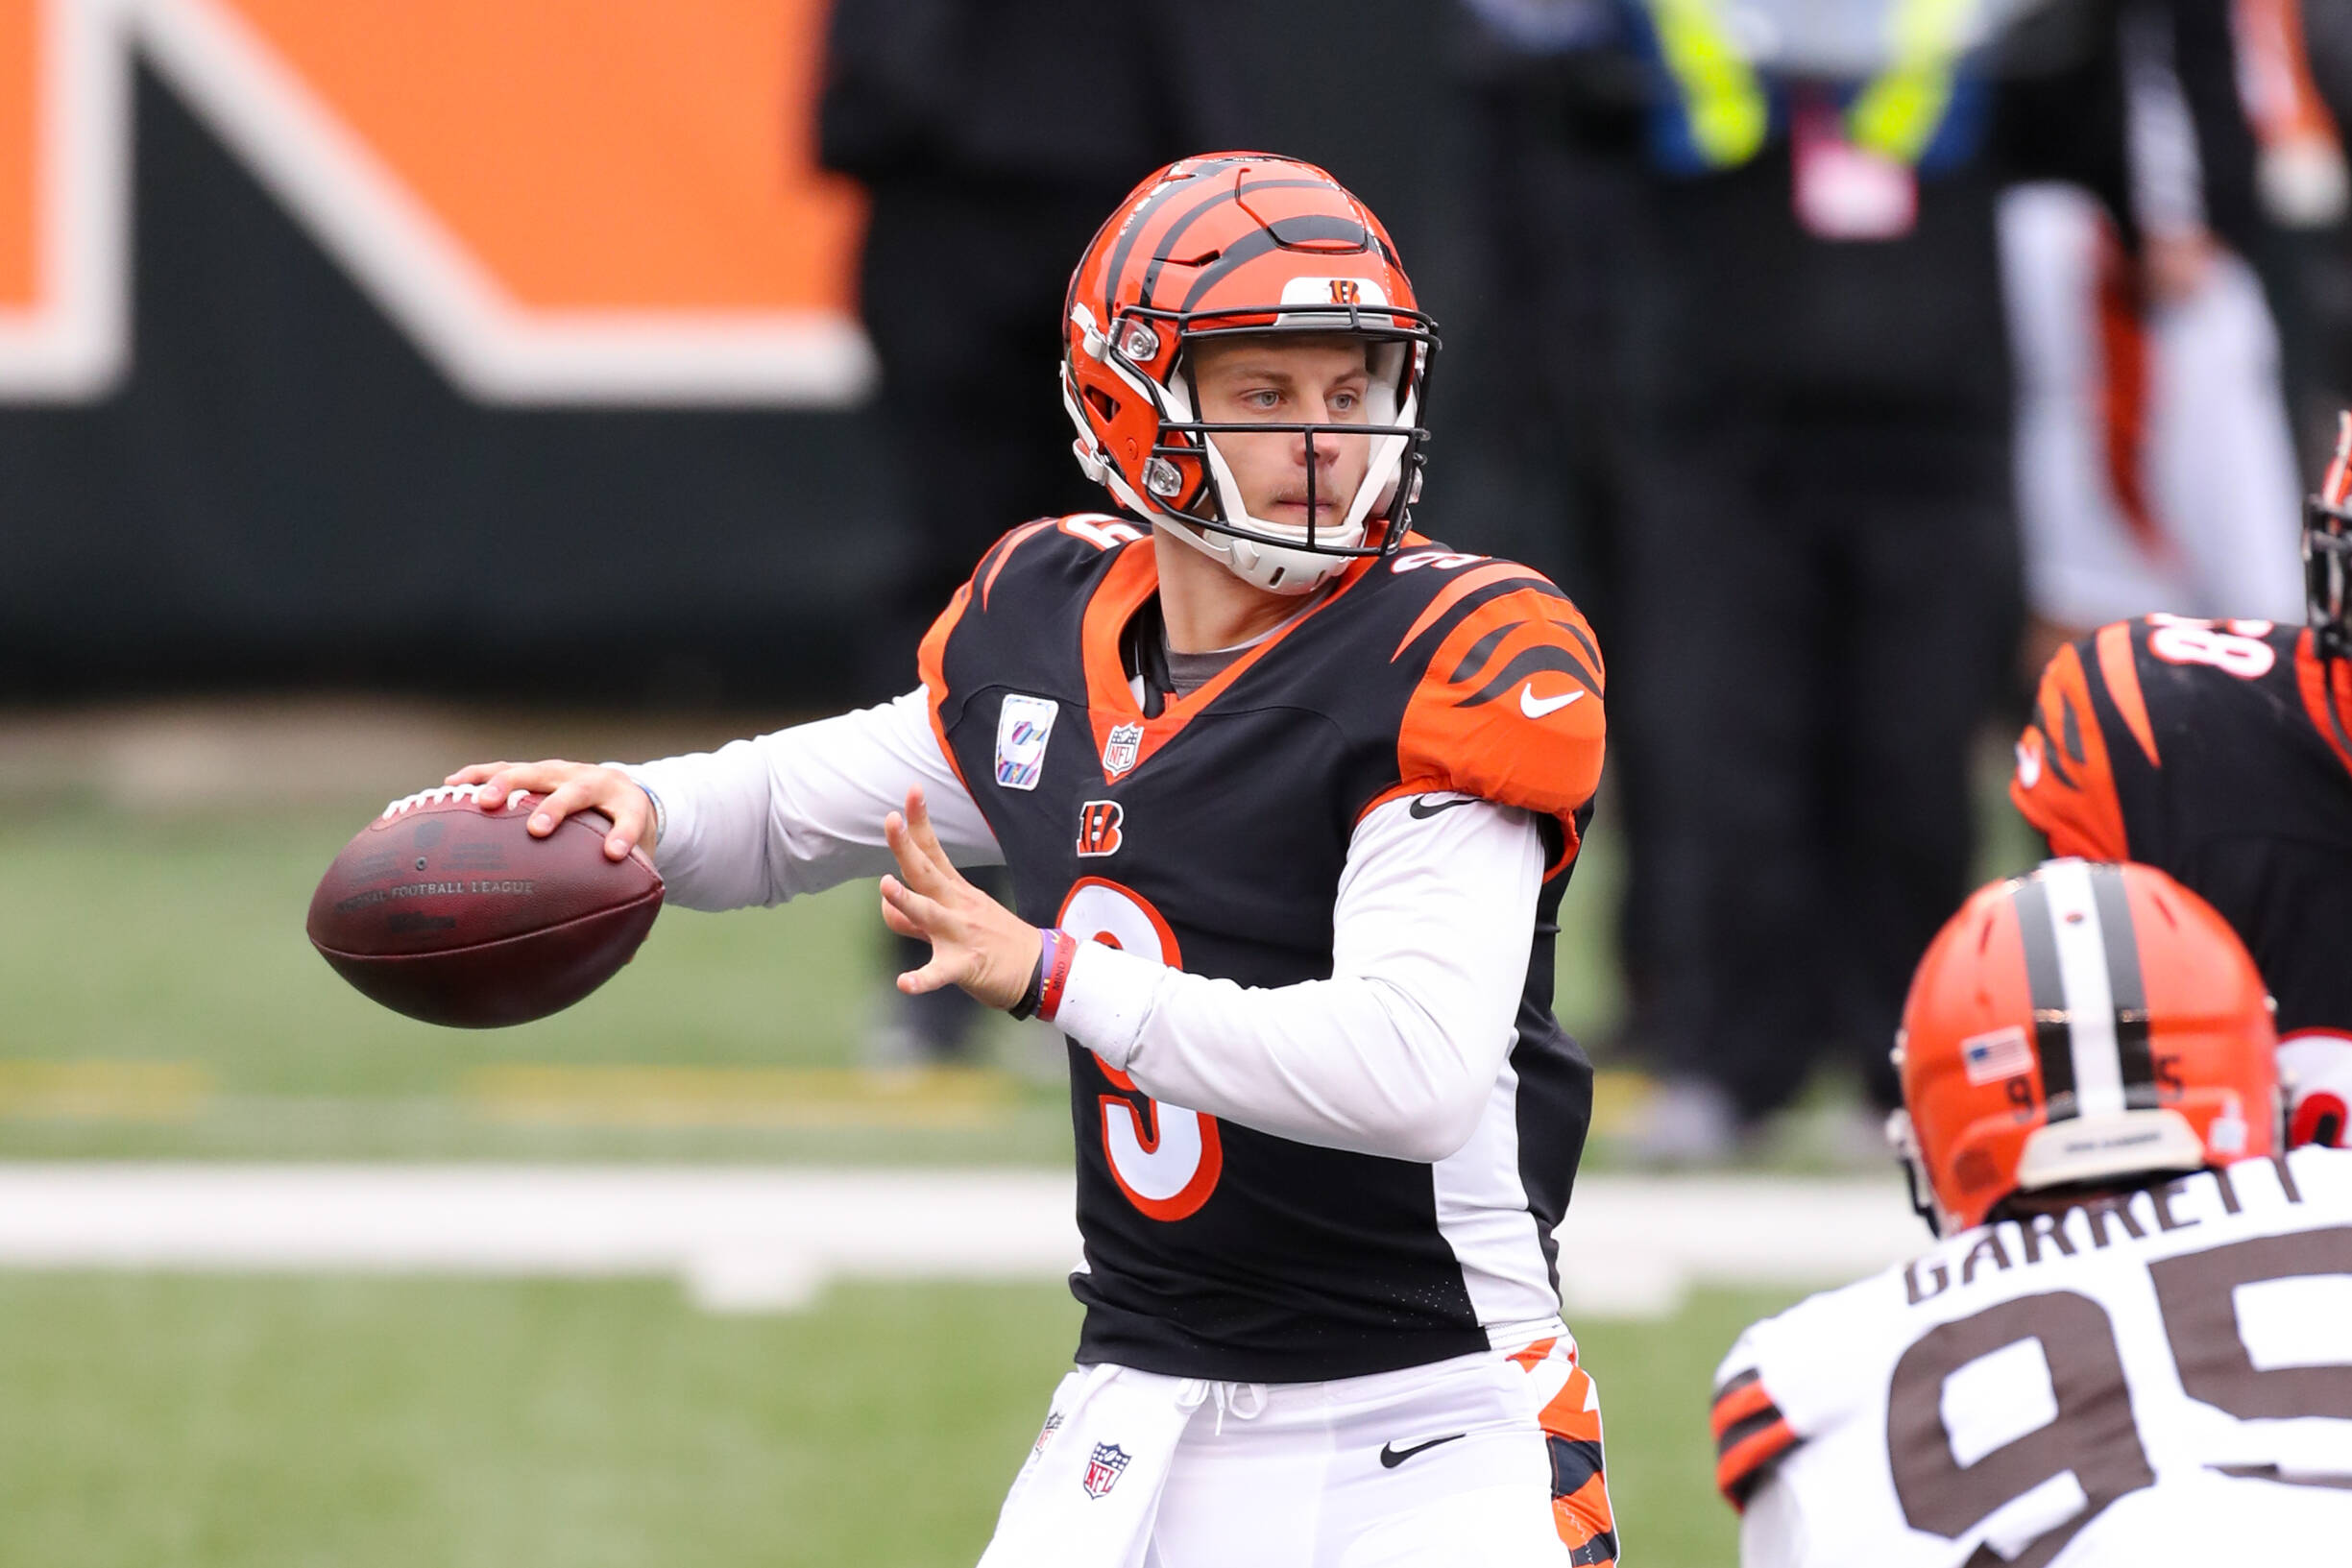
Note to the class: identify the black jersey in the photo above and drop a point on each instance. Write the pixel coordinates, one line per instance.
(2204, 749)
(1212, 836)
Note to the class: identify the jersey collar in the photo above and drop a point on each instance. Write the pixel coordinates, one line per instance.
(1132, 578)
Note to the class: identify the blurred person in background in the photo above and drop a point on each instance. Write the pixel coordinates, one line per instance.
(1820, 577)
(2156, 466)
(981, 193)
(2298, 82)
(2122, 1349)
(2221, 752)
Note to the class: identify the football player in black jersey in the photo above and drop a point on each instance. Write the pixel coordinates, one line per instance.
(1289, 794)
(2219, 751)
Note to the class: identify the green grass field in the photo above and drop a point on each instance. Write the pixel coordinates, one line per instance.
(215, 1423)
(157, 1000)
(163, 941)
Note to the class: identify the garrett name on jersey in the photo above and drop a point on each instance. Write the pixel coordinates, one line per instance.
(2012, 1388)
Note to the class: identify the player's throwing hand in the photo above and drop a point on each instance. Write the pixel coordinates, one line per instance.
(974, 942)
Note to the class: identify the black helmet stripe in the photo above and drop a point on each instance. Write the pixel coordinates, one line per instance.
(1141, 224)
(1292, 232)
(2126, 985)
(1165, 247)
(2054, 1037)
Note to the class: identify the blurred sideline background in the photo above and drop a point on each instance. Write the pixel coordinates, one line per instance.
(388, 384)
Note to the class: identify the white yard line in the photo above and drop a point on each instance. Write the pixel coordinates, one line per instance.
(769, 1238)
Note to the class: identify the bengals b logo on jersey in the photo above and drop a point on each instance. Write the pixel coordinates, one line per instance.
(1097, 828)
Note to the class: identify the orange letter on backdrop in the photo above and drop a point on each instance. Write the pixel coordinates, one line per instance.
(607, 202)
(19, 112)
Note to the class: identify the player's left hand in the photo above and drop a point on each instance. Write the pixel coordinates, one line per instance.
(2316, 1068)
(974, 942)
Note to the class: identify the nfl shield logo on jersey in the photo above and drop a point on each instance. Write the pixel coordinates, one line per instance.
(1103, 1466)
(1022, 727)
(1119, 751)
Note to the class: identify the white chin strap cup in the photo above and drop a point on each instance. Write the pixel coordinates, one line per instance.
(1268, 566)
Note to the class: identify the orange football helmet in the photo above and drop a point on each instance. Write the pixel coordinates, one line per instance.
(2087, 1023)
(1230, 244)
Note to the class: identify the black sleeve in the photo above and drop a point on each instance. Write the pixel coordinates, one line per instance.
(2205, 58)
(2291, 904)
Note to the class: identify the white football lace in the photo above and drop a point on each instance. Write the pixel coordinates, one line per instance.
(442, 796)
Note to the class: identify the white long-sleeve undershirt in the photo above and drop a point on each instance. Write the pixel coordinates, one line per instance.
(800, 810)
(1396, 1055)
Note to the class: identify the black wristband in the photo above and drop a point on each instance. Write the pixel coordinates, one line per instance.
(1027, 1008)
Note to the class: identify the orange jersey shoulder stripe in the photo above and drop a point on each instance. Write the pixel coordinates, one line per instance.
(2064, 783)
(1004, 552)
(1751, 1433)
(1742, 1397)
(1740, 1467)
(1459, 588)
(1509, 709)
(931, 662)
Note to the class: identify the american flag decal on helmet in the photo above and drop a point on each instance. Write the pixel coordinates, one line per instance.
(2000, 1054)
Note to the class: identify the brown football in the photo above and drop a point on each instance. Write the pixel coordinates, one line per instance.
(455, 915)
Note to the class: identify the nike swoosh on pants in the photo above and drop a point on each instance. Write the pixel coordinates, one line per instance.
(1391, 1456)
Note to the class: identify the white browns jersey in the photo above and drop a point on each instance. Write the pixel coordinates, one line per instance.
(2166, 1379)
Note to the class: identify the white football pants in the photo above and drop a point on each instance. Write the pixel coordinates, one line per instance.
(1492, 1458)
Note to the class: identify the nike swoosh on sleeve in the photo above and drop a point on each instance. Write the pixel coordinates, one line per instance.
(1535, 707)
(1421, 809)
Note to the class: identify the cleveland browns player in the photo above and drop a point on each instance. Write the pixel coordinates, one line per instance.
(2217, 750)
(1289, 795)
(2131, 1344)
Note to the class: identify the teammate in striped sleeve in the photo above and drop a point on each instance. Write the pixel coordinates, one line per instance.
(2219, 751)
(2132, 1342)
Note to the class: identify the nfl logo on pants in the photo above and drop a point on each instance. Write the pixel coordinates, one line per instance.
(1104, 1467)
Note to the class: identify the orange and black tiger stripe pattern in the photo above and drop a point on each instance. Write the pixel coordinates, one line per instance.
(2064, 782)
(1509, 706)
(1751, 1436)
(1571, 1423)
